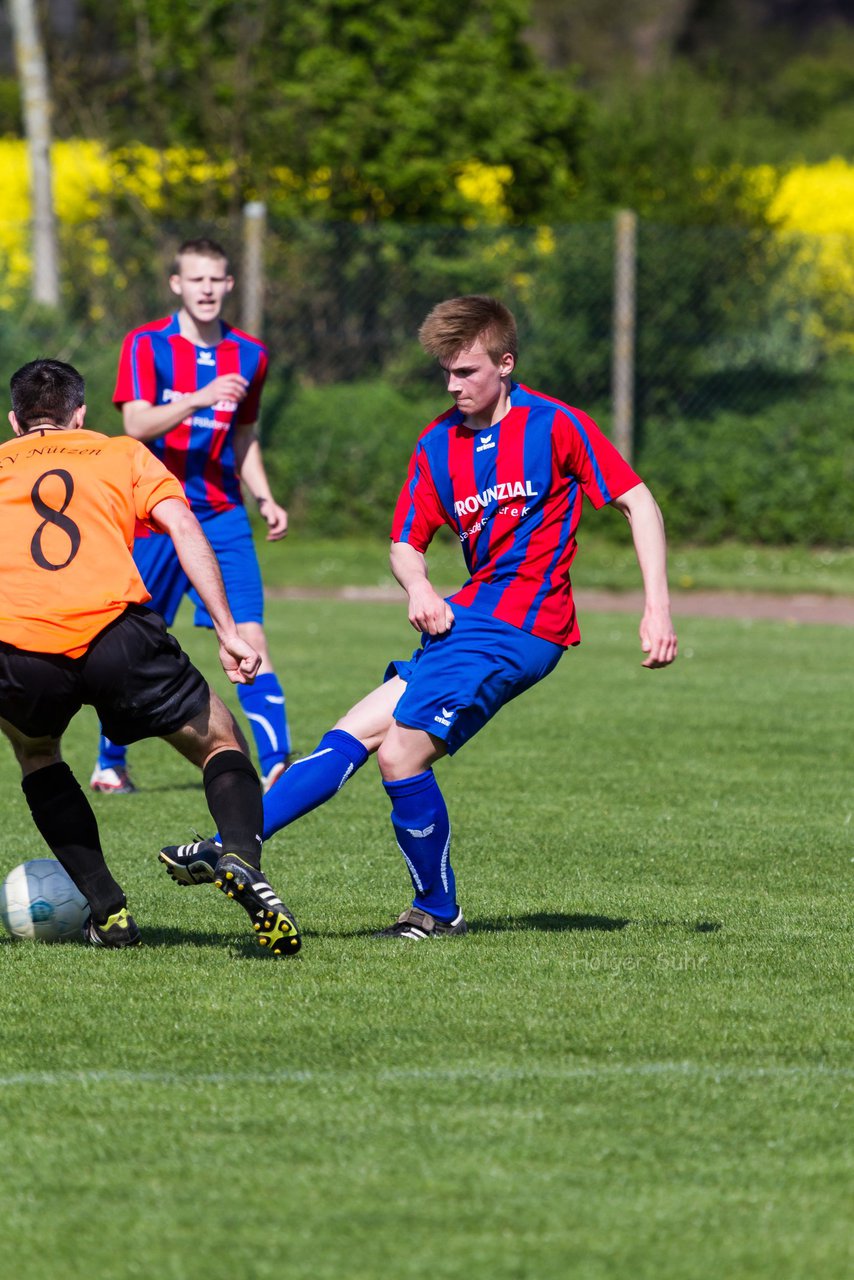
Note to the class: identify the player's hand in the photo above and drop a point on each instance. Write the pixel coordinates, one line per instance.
(428, 611)
(658, 639)
(276, 518)
(228, 388)
(240, 661)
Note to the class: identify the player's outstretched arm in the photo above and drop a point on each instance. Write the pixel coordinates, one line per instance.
(658, 639)
(240, 662)
(428, 611)
(251, 470)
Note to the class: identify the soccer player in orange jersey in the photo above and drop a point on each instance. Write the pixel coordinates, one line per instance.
(74, 630)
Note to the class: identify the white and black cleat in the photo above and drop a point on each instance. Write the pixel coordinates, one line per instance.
(419, 925)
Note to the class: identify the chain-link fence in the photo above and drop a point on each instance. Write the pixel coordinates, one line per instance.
(722, 316)
(729, 341)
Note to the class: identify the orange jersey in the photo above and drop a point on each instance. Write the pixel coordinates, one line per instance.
(69, 502)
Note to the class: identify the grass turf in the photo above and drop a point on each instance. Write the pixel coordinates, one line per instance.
(638, 1063)
(602, 562)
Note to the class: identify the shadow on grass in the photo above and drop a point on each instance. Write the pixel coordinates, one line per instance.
(247, 947)
(558, 922)
(548, 922)
(151, 938)
(539, 922)
(535, 922)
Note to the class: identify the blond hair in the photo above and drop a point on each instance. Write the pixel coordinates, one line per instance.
(459, 323)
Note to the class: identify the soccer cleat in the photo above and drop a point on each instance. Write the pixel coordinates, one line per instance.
(418, 925)
(278, 769)
(111, 782)
(270, 918)
(118, 930)
(191, 863)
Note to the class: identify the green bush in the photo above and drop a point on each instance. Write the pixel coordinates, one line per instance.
(35, 332)
(783, 476)
(337, 455)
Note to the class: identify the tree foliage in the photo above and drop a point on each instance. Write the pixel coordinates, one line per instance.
(365, 108)
(358, 110)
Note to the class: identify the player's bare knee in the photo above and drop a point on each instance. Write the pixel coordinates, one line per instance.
(223, 730)
(389, 760)
(213, 729)
(398, 760)
(31, 753)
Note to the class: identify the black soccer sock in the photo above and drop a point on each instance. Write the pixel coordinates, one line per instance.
(233, 793)
(68, 826)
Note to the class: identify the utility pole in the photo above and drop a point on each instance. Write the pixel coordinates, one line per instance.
(252, 276)
(35, 98)
(623, 365)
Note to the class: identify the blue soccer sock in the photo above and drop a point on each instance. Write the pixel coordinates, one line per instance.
(423, 830)
(312, 780)
(110, 754)
(263, 704)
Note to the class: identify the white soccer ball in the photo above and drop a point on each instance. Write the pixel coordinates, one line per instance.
(39, 900)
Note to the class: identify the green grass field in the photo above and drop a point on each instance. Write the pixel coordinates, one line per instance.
(638, 1063)
(305, 560)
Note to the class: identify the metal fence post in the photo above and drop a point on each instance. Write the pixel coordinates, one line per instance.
(35, 98)
(623, 364)
(252, 284)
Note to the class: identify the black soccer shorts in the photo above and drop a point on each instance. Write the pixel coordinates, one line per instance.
(134, 673)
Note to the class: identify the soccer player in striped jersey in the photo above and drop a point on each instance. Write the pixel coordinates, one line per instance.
(507, 469)
(189, 386)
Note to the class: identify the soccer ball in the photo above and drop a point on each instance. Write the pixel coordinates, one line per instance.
(39, 900)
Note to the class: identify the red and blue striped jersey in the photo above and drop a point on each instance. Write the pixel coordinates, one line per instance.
(157, 364)
(512, 493)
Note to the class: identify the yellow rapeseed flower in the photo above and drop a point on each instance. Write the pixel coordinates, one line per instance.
(813, 212)
(544, 242)
(14, 219)
(484, 186)
(86, 174)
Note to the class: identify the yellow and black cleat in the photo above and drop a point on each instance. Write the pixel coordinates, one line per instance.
(271, 919)
(117, 931)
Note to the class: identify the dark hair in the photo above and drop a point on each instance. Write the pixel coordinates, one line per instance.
(202, 247)
(46, 391)
(458, 323)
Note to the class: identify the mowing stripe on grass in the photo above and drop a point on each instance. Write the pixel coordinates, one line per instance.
(393, 1075)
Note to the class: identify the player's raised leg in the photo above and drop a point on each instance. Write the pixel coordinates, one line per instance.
(308, 783)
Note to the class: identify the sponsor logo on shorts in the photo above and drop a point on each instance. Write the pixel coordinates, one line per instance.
(445, 718)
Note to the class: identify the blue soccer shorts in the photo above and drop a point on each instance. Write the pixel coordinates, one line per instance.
(230, 535)
(456, 683)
